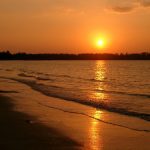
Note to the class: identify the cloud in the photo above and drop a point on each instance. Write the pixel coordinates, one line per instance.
(145, 3)
(122, 9)
(128, 5)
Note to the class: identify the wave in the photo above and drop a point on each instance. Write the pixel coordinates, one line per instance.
(42, 78)
(54, 92)
(36, 77)
(25, 75)
(124, 93)
(53, 75)
(96, 80)
(71, 77)
(2, 91)
(48, 75)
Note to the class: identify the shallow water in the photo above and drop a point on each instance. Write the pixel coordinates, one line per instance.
(119, 86)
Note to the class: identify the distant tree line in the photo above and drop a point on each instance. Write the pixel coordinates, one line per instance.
(6, 55)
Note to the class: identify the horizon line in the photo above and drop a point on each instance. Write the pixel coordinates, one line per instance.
(119, 53)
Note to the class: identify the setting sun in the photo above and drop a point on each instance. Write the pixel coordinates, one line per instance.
(100, 43)
(100, 40)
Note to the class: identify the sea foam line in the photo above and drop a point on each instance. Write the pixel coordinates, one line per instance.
(100, 120)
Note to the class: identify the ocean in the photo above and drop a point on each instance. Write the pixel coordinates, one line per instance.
(117, 86)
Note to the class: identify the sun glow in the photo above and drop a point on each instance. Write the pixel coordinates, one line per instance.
(100, 43)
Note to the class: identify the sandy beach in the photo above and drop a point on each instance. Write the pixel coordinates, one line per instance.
(19, 132)
(31, 120)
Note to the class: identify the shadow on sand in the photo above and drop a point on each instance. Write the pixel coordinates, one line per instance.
(19, 132)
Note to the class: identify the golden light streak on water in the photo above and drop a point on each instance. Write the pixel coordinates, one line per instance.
(95, 128)
(98, 94)
(95, 131)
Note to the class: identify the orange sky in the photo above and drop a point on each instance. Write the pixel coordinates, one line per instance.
(73, 26)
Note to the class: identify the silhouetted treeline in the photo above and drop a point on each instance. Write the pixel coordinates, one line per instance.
(6, 55)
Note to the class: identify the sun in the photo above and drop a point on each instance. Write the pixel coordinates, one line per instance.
(100, 43)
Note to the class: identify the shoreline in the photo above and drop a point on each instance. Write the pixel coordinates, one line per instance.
(45, 114)
(19, 132)
(143, 116)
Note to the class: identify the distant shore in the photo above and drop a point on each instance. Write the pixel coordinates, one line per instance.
(6, 55)
(18, 132)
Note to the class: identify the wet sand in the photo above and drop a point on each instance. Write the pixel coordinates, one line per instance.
(18, 131)
(31, 120)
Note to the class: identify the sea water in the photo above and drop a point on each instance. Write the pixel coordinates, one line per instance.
(117, 86)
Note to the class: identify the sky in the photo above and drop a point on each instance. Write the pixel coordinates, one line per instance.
(75, 26)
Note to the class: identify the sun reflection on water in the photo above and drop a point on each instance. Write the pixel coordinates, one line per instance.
(100, 76)
(95, 138)
(99, 96)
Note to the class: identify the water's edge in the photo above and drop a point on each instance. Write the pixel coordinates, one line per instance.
(37, 87)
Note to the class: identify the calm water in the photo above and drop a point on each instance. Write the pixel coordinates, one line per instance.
(119, 86)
